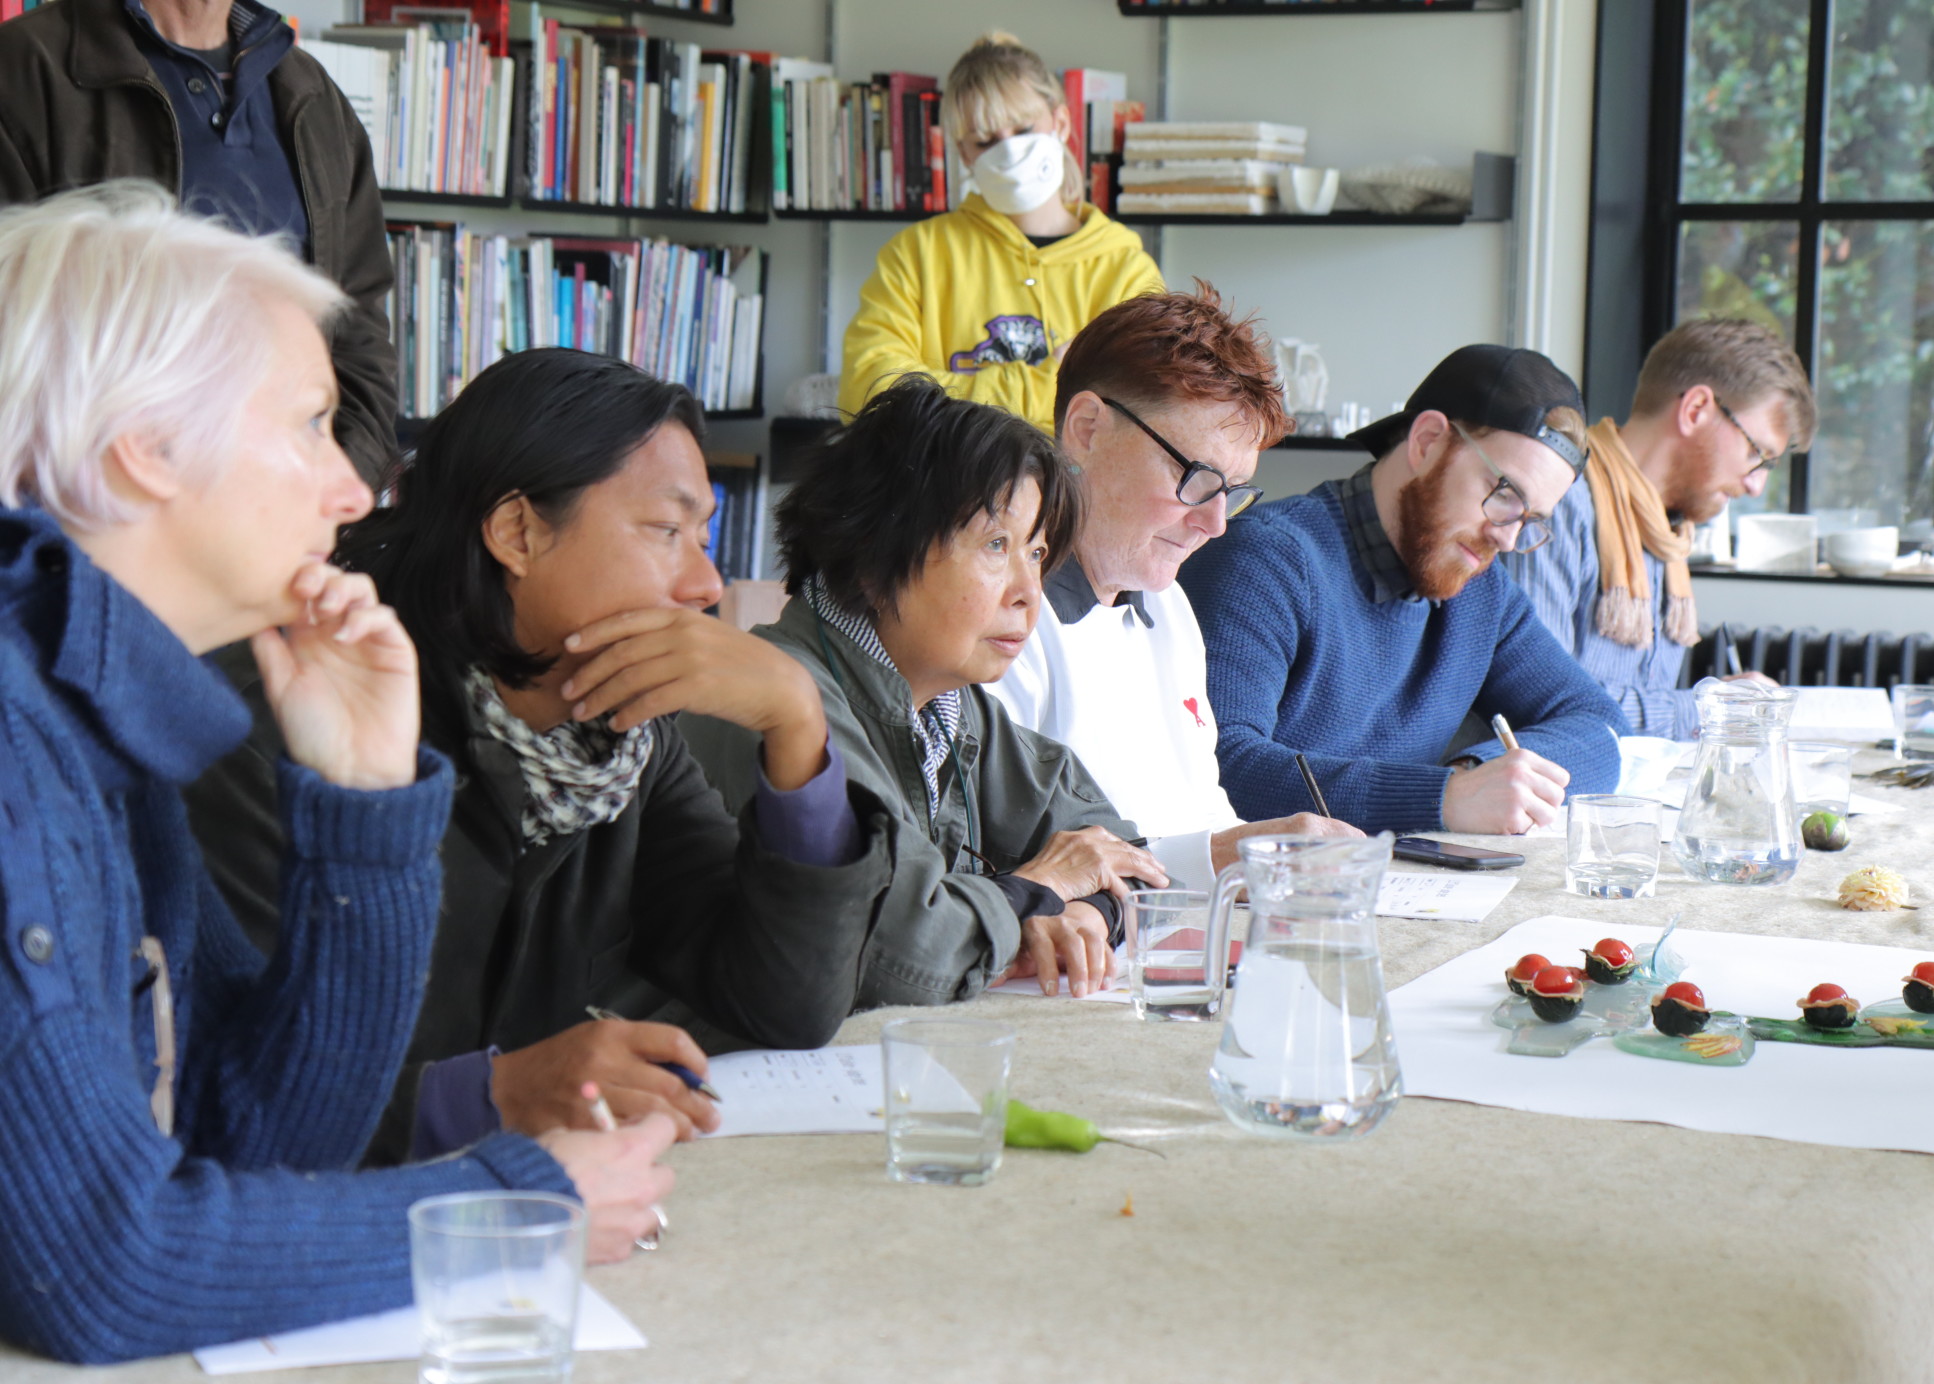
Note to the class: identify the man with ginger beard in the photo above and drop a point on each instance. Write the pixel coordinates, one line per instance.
(1364, 623)
(1719, 402)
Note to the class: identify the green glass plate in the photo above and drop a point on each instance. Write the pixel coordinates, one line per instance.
(1725, 1042)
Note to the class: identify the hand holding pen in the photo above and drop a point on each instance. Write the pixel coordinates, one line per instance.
(536, 1088)
(1507, 796)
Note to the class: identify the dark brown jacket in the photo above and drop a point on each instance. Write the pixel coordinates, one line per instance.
(79, 104)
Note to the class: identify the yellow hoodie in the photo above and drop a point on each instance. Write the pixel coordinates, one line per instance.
(968, 299)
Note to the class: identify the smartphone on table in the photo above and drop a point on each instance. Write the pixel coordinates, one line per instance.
(1425, 851)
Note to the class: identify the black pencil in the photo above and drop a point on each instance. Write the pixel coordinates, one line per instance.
(1309, 782)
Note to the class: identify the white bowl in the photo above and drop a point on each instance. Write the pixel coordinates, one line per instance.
(1866, 547)
(1850, 567)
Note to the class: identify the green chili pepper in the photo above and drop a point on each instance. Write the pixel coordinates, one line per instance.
(1028, 1128)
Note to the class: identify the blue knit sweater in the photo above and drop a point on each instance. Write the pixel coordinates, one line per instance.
(1302, 658)
(117, 1242)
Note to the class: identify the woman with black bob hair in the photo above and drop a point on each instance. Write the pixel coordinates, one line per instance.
(546, 551)
(915, 545)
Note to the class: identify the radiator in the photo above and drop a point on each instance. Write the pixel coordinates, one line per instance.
(1809, 658)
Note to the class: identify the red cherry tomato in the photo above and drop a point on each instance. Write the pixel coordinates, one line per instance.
(1613, 952)
(1820, 994)
(1531, 963)
(1924, 973)
(1556, 980)
(1687, 992)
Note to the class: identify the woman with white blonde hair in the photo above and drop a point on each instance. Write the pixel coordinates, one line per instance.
(986, 298)
(178, 1118)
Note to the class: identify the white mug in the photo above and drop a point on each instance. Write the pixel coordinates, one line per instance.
(1310, 191)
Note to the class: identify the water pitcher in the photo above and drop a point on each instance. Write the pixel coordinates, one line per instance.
(1738, 825)
(1307, 1050)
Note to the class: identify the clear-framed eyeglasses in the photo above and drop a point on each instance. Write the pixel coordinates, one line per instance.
(1761, 456)
(1505, 505)
(1200, 481)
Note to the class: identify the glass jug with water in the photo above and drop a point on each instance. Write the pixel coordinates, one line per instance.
(1307, 1050)
(1738, 825)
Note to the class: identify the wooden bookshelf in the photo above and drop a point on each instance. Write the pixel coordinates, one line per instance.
(1297, 443)
(445, 199)
(1335, 218)
(722, 17)
(1302, 8)
(743, 218)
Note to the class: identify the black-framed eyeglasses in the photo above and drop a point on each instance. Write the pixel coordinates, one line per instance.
(1200, 481)
(1760, 454)
(1505, 505)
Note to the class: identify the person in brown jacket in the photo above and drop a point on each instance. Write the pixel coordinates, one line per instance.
(211, 99)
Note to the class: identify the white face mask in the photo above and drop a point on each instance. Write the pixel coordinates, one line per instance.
(1020, 173)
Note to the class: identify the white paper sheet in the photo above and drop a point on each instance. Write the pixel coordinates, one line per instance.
(1454, 898)
(396, 1335)
(1841, 713)
(1857, 1098)
(829, 1091)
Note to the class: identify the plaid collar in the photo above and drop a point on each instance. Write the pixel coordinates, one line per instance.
(1389, 577)
(935, 725)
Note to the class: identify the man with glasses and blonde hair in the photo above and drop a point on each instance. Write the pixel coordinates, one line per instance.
(1363, 623)
(1719, 402)
(1164, 403)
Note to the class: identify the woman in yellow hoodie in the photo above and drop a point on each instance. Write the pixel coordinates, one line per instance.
(986, 298)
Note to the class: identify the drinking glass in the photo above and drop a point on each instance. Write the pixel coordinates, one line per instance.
(1913, 721)
(1822, 777)
(496, 1277)
(946, 1099)
(1611, 846)
(1166, 957)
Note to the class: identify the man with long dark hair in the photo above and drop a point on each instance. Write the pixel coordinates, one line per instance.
(546, 551)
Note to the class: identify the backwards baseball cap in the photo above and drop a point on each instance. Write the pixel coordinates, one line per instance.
(1491, 387)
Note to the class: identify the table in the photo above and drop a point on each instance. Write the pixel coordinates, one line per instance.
(1456, 1243)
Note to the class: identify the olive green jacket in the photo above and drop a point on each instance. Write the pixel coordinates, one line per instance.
(942, 928)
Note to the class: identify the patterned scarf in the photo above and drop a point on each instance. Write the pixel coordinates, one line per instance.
(935, 725)
(577, 775)
(1631, 523)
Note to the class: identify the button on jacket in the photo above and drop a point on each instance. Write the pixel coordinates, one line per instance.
(80, 104)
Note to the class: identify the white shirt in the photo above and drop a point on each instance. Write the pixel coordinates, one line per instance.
(1124, 687)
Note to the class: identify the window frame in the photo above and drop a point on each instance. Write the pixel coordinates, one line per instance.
(1638, 216)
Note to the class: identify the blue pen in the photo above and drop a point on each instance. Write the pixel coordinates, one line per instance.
(693, 1081)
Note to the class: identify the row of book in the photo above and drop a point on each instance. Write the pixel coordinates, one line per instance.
(611, 116)
(858, 146)
(879, 145)
(618, 118)
(464, 299)
(605, 116)
(1202, 167)
(12, 9)
(437, 106)
(737, 537)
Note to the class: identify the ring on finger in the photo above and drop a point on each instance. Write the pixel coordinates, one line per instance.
(649, 1240)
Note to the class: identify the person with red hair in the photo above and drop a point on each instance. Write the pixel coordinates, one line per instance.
(1164, 403)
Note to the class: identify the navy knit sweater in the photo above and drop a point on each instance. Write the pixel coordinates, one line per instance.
(1302, 658)
(117, 1242)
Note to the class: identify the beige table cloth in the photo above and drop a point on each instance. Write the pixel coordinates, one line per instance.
(1457, 1243)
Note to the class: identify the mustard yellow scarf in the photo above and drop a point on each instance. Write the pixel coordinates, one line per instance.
(1631, 523)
